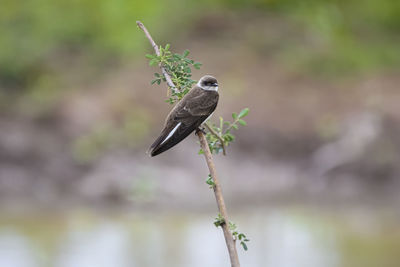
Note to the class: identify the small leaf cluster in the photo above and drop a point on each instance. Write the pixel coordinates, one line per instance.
(238, 236)
(221, 136)
(219, 221)
(210, 181)
(179, 67)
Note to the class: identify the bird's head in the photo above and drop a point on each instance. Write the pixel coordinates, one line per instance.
(208, 82)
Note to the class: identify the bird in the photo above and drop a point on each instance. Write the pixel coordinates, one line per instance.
(189, 113)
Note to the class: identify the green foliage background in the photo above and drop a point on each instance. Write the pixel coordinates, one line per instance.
(359, 34)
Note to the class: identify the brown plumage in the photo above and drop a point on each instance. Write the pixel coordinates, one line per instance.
(190, 112)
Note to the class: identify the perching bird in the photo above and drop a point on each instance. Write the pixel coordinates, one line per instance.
(190, 112)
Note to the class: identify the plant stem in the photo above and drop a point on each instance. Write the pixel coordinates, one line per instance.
(230, 243)
(218, 136)
(157, 50)
(231, 126)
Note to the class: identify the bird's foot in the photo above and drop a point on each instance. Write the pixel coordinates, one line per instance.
(201, 129)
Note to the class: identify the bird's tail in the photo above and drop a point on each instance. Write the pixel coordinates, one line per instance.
(155, 148)
(169, 138)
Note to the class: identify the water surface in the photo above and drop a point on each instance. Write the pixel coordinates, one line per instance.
(281, 237)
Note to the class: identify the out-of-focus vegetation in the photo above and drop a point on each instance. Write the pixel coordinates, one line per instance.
(342, 36)
(110, 135)
(40, 35)
(36, 33)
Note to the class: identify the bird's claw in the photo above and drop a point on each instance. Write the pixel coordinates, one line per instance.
(201, 129)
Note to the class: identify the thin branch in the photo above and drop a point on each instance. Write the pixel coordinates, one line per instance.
(231, 126)
(218, 136)
(157, 50)
(230, 243)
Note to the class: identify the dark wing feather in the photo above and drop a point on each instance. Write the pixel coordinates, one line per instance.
(191, 116)
(186, 128)
(164, 133)
(199, 106)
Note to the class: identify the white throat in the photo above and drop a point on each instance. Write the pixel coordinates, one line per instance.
(208, 88)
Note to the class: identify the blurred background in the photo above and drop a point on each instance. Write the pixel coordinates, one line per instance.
(313, 179)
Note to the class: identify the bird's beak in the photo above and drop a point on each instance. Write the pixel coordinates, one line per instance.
(215, 84)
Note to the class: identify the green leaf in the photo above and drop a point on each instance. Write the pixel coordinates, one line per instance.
(229, 137)
(244, 245)
(234, 126)
(201, 151)
(197, 65)
(219, 221)
(153, 62)
(243, 113)
(186, 53)
(210, 181)
(167, 47)
(177, 57)
(234, 115)
(149, 56)
(242, 122)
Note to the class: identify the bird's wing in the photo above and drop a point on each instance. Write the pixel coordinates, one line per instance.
(181, 122)
(198, 106)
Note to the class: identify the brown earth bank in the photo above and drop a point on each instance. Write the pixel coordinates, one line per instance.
(38, 166)
(308, 135)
